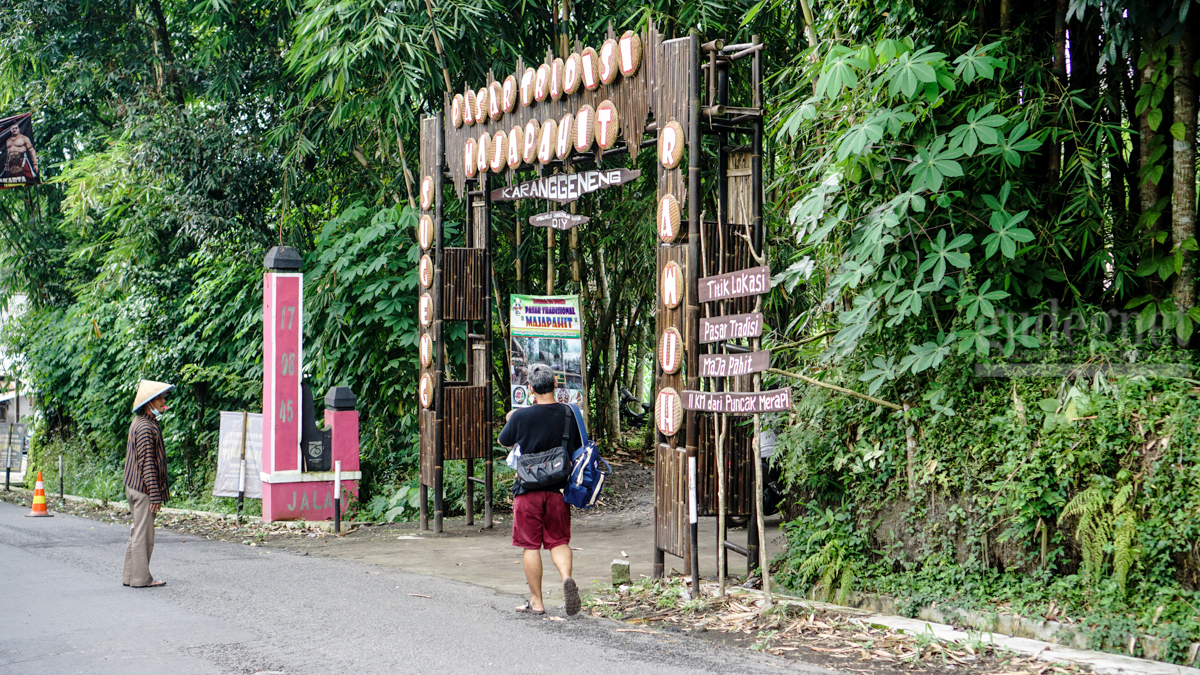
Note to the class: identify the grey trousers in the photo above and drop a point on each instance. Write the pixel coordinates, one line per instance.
(141, 541)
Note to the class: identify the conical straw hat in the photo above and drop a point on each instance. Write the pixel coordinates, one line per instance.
(149, 390)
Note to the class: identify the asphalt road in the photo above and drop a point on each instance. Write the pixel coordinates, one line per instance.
(230, 608)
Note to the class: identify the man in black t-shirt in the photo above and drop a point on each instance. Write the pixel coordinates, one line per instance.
(541, 519)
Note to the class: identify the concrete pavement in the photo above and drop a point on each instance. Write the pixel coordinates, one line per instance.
(240, 609)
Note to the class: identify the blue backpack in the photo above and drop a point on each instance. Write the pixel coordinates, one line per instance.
(587, 476)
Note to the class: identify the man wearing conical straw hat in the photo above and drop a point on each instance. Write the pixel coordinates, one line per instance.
(145, 480)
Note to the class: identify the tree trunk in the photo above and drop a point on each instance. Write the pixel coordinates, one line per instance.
(638, 388)
(163, 38)
(1059, 69)
(1148, 190)
(1183, 196)
(614, 390)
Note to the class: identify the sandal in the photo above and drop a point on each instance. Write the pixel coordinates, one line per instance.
(527, 608)
(571, 595)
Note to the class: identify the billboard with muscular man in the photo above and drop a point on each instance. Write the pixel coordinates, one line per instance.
(20, 163)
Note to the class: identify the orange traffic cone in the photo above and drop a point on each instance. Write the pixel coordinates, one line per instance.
(39, 501)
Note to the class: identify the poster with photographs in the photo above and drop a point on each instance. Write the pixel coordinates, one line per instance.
(20, 165)
(546, 329)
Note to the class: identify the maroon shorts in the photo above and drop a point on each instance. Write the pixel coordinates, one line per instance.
(541, 520)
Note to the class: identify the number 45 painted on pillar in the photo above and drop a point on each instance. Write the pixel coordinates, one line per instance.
(286, 411)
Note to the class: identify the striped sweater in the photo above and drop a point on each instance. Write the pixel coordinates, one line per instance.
(146, 459)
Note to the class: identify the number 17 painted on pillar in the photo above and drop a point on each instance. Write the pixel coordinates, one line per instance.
(283, 361)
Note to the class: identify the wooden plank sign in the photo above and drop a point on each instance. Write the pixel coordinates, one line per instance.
(559, 220)
(753, 281)
(731, 327)
(734, 403)
(731, 365)
(566, 187)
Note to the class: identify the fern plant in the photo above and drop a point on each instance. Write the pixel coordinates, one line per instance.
(1105, 525)
(823, 549)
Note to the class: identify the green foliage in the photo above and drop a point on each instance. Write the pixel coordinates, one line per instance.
(823, 551)
(1104, 525)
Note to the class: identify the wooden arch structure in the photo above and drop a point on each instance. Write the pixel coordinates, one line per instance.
(636, 92)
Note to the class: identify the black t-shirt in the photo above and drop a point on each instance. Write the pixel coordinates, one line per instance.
(539, 428)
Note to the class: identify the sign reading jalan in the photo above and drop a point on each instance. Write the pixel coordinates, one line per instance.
(734, 403)
(732, 365)
(730, 327)
(559, 220)
(566, 187)
(754, 281)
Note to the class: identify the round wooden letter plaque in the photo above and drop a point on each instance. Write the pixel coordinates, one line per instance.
(668, 218)
(509, 94)
(425, 390)
(672, 285)
(670, 351)
(608, 125)
(668, 411)
(426, 193)
(527, 79)
(456, 111)
(481, 105)
(556, 79)
(425, 232)
(590, 69)
(499, 158)
(529, 143)
(670, 145)
(541, 83)
(583, 128)
(565, 126)
(630, 53)
(608, 62)
(483, 151)
(515, 143)
(495, 100)
(426, 350)
(426, 310)
(425, 271)
(549, 135)
(571, 68)
(469, 108)
(469, 162)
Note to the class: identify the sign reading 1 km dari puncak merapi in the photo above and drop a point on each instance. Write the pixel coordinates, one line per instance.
(546, 329)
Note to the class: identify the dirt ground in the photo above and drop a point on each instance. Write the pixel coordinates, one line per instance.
(620, 528)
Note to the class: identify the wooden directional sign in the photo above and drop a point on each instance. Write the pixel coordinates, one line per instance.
(566, 187)
(734, 403)
(731, 365)
(730, 327)
(754, 281)
(559, 220)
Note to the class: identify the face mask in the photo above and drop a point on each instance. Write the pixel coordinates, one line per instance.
(159, 413)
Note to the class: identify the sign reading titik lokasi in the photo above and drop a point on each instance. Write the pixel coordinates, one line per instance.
(559, 220)
(735, 403)
(753, 281)
(566, 187)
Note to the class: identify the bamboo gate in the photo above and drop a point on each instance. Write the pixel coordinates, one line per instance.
(670, 95)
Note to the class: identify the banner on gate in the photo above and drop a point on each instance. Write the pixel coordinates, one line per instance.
(547, 329)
